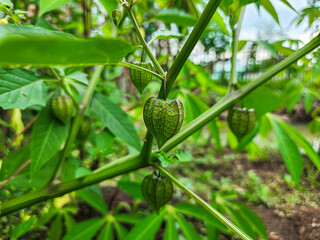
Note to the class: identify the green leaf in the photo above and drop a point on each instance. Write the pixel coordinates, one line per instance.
(147, 228)
(107, 232)
(289, 151)
(302, 142)
(48, 5)
(129, 218)
(120, 230)
(6, 4)
(176, 16)
(12, 162)
(212, 231)
(2, 144)
(218, 19)
(165, 34)
(308, 101)
(93, 200)
(269, 47)
(115, 119)
(22, 228)
(289, 5)
(248, 138)
(214, 130)
(200, 213)
(246, 2)
(187, 229)
(133, 188)
(254, 220)
(56, 228)
(262, 100)
(48, 135)
(109, 5)
(53, 48)
(85, 230)
(19, 88)
(171, 232)
(270, 9)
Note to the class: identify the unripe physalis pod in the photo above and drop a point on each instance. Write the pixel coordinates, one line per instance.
(241, 121)
(139, 78)
(85, 129)
(116, 16)
(157, 190)
(163, 118)
(62, 107)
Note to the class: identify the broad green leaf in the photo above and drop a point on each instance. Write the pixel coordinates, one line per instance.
(308, 101)
(289, 151)
(262, 100)
(22, 228)
(176, 16)
(2, 144)
(133, 188)
(115, 119)
(171, 232)
(109, 5)
(146, 229)
(165, 34)
(198, 212)
(241, 222)
(254, 220)
(218, 19)
(56, 228)
(214, 130)
(69, 221)
(246, 2)
(316, 68)
(129, 218)
(11, 163)
(53, 48)
(302, 142)
(106, 232)
(93, 200)
(120, 230)
(267, 5)
(6, 3)
(187, 229)
(19, 88)
(85, 230)
(48, 135)
(212, 231)
(241, 44)
(248, 138)
(194, 106)
(48, 5)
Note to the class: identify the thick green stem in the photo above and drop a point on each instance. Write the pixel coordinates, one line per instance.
(235, 96)
(189, 45)
(143, 42)
(78, 120)
(204, 204)
(115, 168)
(234, 49)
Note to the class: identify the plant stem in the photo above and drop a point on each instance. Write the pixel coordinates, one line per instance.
(129, 65)
(115, 168)
(235, 96)
(143, 42)
(203, 204)
(234, 47)
(78, 120)
(189, 45)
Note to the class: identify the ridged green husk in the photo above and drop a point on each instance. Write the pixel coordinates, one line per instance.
(157, 190)
(163, 118)
(241, 121)
(62, 107)
(85, 129)
(141, 79)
